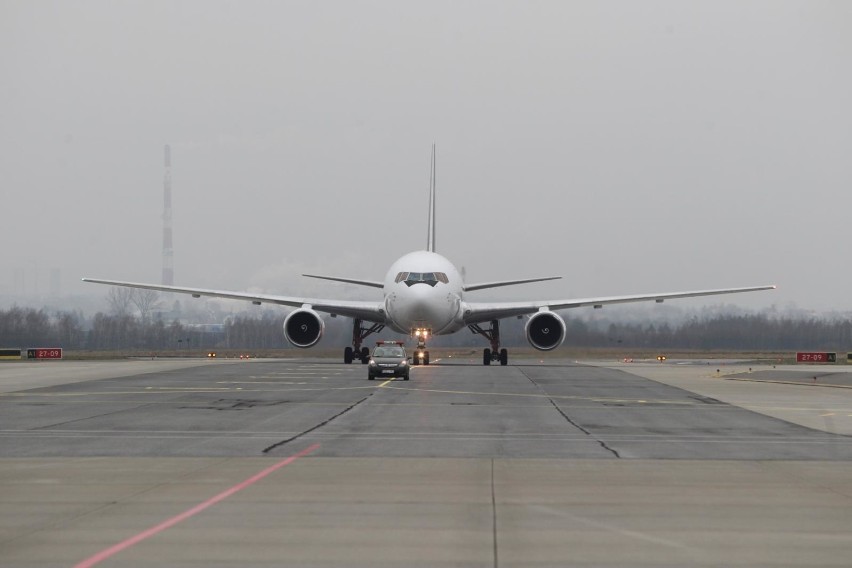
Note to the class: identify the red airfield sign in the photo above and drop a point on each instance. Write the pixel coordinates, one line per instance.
(44, 353)
(815, 357)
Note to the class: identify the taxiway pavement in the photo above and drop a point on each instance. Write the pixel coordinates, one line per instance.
(534, 464)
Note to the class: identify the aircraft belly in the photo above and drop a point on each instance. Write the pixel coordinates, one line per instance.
(453, 327)
(397, 328)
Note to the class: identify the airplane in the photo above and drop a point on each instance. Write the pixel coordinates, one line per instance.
(423, 294)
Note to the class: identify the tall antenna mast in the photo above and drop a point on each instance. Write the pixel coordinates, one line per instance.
(168, 251)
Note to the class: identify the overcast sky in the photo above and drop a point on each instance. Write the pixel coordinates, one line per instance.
(627, 146)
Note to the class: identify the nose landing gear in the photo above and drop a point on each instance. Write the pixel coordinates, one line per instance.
(492, 334)
(421, 355)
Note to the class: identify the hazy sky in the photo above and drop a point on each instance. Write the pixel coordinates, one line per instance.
(627, 146)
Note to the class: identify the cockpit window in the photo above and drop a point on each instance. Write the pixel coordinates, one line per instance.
(430, 278)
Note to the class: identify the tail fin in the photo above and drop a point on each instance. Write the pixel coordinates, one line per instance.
(430, 235)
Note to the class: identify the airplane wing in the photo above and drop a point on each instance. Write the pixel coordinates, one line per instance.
(477, 312)
(483, 286)
(367, 311)
(369, 283)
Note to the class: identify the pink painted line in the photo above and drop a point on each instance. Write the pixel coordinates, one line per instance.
(124, 545)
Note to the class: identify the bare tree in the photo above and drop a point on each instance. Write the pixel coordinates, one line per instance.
(119, 299)
(145, 301)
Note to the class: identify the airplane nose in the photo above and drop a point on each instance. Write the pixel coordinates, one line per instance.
(427, 307)
(422, 301)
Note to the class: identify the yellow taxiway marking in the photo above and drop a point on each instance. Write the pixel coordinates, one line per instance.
(672, 405)
(176, 390)
(212, 390)
(269, 380)
(298, 373)
(199, 404)
(551, 396)
(188, 389)
(794, 383)
(258, 383)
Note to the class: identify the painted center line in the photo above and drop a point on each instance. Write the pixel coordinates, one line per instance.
(156, 529)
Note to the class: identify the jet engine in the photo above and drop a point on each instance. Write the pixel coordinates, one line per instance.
(545, 331)
(303, 328)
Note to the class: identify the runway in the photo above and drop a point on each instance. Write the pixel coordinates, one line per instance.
(548, 464)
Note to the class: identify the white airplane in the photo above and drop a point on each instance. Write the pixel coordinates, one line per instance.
(423, 294)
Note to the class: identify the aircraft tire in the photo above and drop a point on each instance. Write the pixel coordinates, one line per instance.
(504, 357)
(486, 357)
(347, 355)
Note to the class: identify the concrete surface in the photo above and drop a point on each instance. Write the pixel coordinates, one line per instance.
(15, 376)
(786, 392)
(556, 464)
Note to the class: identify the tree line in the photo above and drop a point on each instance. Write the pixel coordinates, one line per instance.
(747, 332)
(28, 327)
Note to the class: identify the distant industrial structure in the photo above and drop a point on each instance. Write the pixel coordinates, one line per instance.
(168, 251)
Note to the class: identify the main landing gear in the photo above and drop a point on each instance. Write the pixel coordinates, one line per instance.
(358, 335)
(492, 334)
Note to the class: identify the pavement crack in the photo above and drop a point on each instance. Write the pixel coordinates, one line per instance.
(607, 448)
(583, 430)
(320, 425)
(569, 419)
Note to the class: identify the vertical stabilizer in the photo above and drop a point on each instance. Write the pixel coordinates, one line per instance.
(430, 235)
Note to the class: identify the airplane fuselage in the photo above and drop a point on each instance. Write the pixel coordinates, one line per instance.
(423, 290)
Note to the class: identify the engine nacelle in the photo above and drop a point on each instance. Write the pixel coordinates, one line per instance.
(303, 328)
(545, 331)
